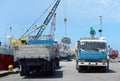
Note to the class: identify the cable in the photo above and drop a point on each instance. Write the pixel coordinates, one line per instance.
(65, 16)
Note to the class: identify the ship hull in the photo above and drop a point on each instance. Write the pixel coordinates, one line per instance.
(7, 58)
(5, 61)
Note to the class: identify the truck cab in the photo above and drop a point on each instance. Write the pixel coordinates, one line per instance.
(92, 54)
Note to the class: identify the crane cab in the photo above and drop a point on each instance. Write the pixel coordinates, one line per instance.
(16, 43)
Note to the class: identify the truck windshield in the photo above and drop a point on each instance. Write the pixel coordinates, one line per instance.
(93, 46)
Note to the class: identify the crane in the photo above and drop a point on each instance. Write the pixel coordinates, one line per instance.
(45, 23)
(40, 28)
(53, 24)
(47, 20)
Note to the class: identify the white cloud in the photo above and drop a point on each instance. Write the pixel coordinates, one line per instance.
(110, 3)
(104, 2)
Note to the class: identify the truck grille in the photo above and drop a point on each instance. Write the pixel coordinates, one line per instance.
(92, 60)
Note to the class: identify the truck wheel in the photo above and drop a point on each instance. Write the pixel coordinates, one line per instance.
(52, 69)
(104, 69)
(50, 73)
(76, 64)
(113, 57)
(27, 73)
(57, 63)
(22, 73)
(79, 69)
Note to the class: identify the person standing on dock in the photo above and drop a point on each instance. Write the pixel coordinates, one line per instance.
(92, 32)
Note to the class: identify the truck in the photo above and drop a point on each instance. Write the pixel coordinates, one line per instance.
(92, 54)
(65, 53)
(38, 56)
(113, 54)
(65, 56)
(39, 53)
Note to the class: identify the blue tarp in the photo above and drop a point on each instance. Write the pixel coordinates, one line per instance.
(50, 42)
(92, 55)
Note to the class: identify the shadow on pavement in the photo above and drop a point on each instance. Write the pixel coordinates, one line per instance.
(57, 74)
(98, 71)
(111, 71)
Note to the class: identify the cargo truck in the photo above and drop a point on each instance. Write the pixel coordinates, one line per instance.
(113, 54)
(91, 54)
(38, 53)
(38, 56)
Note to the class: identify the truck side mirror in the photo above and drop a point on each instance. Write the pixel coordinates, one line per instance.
(108, 46)
(80, 50)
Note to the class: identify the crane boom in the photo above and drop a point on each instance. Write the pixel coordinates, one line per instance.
(47, 20)
(53, 24)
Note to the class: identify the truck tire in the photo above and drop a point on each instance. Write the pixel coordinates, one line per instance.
(104, 69)
(52, 69)
(50, 73)
(27, 73)
(57, 63)
(79, 69)
(113, 57)
(24, 73)
(76, 64)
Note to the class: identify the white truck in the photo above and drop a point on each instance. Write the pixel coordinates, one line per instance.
(92, 55)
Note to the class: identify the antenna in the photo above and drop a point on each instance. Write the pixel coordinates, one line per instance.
(100, 30)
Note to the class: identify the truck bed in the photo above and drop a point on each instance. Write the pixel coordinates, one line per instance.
(34, 51)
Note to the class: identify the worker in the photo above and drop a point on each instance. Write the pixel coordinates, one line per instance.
(75, 49)
(92, 32)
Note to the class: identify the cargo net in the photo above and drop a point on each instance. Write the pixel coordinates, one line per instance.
(42, 37)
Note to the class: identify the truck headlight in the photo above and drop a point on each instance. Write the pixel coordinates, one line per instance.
(104, 61)
(82, 61)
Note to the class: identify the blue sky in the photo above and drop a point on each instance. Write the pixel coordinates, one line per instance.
(81, 15)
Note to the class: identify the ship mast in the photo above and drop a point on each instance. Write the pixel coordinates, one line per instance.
(100, 30)
(10, 36)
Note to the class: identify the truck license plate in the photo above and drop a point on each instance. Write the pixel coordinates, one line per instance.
(92, 63)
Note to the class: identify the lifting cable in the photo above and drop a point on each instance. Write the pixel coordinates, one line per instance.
(65, 40)
(38, 19)
(65, 15)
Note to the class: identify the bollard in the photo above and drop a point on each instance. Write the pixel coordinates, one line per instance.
(10, 67)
